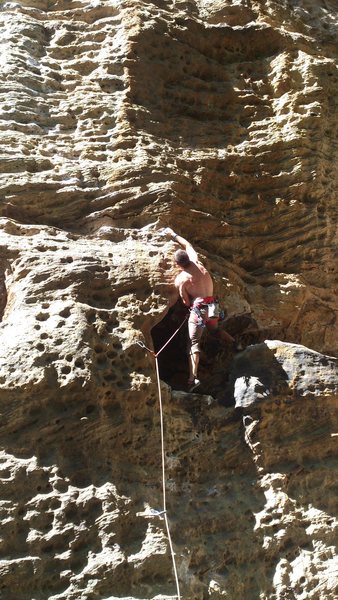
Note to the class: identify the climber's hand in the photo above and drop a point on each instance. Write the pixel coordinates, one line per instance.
(168, 232)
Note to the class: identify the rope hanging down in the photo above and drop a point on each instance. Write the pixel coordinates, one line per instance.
(164, 511)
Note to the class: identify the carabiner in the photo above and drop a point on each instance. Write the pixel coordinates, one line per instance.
(142, 345)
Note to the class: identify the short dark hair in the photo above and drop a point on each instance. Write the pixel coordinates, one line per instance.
(182, 258)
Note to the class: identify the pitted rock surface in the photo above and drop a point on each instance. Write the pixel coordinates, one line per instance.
(276, 368)
(118, 118)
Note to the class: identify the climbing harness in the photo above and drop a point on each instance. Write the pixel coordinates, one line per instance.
(164, 511)
(213, 309)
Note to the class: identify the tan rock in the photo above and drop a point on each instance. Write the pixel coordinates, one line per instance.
(219, 120)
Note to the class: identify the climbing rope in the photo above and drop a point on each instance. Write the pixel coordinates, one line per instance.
(164, 511)
(165, 516)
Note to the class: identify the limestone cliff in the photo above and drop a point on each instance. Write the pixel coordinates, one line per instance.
(219, 119)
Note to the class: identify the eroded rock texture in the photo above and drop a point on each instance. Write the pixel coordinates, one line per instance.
(218, 118)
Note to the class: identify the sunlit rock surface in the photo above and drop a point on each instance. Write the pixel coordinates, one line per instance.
(118, 118)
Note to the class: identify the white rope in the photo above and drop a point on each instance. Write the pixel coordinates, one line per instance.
(164, 479)
(247, 430)
(164, 511)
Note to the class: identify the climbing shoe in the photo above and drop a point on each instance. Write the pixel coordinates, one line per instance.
(193, 384)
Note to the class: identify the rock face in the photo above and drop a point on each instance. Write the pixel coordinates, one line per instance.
(117, 118)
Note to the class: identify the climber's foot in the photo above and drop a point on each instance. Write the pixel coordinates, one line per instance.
(193, 384)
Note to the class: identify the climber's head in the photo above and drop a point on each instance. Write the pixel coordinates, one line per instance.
(182, 259)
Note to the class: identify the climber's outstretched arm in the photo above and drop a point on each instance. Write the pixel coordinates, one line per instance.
(191, 252)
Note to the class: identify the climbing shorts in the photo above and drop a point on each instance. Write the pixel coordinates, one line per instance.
(196, 329)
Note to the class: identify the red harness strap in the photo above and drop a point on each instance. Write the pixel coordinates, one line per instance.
(197, 305)
(202, 301)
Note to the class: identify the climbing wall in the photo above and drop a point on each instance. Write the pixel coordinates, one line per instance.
(219, 119)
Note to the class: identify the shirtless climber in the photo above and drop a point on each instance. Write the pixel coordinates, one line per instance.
(195, 287)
